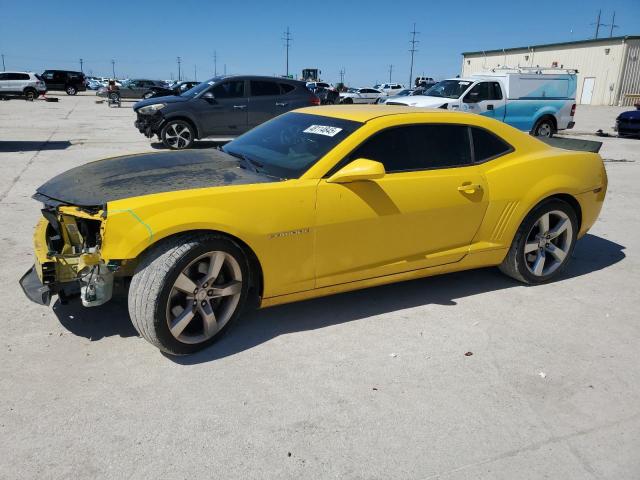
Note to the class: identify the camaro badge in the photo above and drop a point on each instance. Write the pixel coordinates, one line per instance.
(289, 233)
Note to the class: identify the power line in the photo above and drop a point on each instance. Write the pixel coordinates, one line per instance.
(342, 76)
(287, 43)
(413, 50)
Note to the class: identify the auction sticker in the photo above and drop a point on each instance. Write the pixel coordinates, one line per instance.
(323, 130)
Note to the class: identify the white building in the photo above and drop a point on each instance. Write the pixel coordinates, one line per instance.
(608, 68)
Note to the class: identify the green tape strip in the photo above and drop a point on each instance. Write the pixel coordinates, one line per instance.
(136, 217)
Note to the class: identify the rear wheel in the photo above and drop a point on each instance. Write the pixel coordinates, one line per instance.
(348, 100)
(31, 94)
(545, 127)
(543, 245)
(177, 134)
(186, 292)
(71, 90)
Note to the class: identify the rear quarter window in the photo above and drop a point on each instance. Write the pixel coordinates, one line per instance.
(487, 145)
(286, 88)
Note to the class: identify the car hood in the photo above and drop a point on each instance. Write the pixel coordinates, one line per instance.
(96, 183)
(166, 99)
(423, 101)
(632, 114)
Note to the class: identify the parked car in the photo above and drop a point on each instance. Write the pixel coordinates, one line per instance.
(361, 95)
(537, 103)
(424, 82)
(176, 88)
(64, 81)
(223, 106)
(21, 84)
(390, 88)
(402, 93)
(628, 123)
(317, 201)
(93, 84)
(134, 88)
(326, 92)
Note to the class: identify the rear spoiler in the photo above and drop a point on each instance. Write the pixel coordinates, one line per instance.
(572, 144)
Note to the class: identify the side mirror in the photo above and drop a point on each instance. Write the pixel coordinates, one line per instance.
(360, 169)
(208, 95)
(471, 97)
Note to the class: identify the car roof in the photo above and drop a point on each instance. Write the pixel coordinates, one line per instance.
(364, 113)
(263, 77)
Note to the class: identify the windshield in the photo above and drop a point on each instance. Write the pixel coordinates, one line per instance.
(192, 92)
(448, 89)
(288, 145)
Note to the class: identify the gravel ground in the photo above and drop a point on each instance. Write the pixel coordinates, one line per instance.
(370, 384)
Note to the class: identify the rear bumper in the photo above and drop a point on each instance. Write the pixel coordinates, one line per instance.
(570, 125)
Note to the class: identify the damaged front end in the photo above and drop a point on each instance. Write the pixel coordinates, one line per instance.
(67, 242)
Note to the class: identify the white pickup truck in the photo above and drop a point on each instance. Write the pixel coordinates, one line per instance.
(537, 103)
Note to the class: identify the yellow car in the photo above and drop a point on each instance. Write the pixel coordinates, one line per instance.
(314, 202)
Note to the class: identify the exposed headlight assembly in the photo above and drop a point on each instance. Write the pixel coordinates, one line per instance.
(149, 109)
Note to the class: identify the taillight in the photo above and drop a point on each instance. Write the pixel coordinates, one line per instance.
(573, 109)
(315, 100)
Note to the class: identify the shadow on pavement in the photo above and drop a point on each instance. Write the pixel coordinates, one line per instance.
(591, 254)
(31, 146)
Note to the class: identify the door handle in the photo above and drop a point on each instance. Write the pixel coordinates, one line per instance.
(280, 104)
(239, 107)
(470, 188)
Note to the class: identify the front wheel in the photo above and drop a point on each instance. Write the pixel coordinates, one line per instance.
(177, 135)
(187, 291)
(543, 245)
(71, 90)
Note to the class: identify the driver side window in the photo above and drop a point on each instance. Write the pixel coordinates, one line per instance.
(233, 89)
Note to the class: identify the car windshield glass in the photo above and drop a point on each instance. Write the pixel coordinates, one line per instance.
(192, 92)
(448, 88)
(287, 146)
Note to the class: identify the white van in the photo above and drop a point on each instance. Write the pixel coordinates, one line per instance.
(535, 102)
(25, 84)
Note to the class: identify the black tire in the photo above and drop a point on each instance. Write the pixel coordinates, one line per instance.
(544, 127)
(71, 90)
(348, 101)
(30, 94)
(154, 279)
(178, 134)
(515, 263)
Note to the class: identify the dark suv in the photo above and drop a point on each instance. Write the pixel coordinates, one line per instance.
(221, 107)
(64, 81)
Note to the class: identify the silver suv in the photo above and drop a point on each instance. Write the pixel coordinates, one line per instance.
(22, 84)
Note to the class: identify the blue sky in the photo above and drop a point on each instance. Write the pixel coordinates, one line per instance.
(365, 37)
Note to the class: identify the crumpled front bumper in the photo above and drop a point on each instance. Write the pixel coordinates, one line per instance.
(149, 125)
(40, 293)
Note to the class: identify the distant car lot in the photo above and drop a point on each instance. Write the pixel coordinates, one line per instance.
(335, 382)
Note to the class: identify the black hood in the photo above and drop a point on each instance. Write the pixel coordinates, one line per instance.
(97, 183)
(167, 99)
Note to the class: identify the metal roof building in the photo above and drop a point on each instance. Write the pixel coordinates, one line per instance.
(608, 68)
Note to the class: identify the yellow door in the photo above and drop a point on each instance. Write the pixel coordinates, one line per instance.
(401, 222)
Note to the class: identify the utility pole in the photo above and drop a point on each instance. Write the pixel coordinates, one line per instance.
(342, 76)
(225, 68)
(413, 50)
(81, 66)
(613, 25)
(3, 69)
(215, 63)
(287, 43)
(179, 72)
(390, 72)
(598, 24)
(113, 68)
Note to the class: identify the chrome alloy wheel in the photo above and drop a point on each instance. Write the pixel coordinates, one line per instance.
(544, 130)
(204, 297)
(548, 243)
(178, 136)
